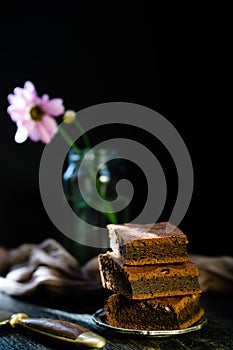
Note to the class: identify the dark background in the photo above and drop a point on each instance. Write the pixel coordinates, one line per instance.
(176, 60)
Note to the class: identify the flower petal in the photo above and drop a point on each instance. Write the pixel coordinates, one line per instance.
(33, 131)
(45, 135)
(53, 107)
(44, 130)
(21, 134)
(16, 114)
(45, 97)
(29, 86)
(50, 124)
(48, 129)
(29, 96)
(17, 100)
(18, 91)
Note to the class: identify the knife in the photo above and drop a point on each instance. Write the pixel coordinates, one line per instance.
(54, 328)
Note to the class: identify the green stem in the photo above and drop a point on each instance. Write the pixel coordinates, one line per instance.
(111, 215)
(69, 140)
(85, 138)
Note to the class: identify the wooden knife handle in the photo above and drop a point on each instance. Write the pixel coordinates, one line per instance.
(59, 329)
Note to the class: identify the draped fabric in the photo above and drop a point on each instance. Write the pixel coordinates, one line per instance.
(48, 267)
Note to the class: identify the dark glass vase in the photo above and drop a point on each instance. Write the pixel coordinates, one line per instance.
(106, 173)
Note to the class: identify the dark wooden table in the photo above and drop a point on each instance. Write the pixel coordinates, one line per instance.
(216, 335)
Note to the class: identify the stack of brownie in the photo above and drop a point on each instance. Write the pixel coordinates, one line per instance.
(154, 284)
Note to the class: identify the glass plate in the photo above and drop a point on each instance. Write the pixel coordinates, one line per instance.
(100, 319)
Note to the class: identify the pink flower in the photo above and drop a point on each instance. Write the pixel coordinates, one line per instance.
(34, 115)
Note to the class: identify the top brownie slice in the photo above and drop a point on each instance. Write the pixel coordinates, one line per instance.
(157, 243)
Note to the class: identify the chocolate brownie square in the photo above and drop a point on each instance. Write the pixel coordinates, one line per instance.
(153, 314)
(148, 281)
(148, 244)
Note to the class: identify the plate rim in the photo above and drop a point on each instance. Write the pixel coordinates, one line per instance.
(159, 333)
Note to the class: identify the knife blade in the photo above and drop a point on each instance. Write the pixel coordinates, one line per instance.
(54, 328)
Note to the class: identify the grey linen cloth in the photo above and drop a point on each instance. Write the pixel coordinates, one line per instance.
(28, 268)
